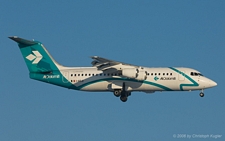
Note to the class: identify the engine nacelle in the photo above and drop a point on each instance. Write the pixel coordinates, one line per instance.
(141, 75)
(130, 73)
(135, 73)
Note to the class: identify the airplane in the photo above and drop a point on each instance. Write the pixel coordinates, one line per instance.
(107, 75)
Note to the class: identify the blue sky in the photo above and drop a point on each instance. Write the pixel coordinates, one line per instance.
(148, 33)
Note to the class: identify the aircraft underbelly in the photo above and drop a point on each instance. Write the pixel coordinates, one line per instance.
(100, 86)
(112, 85)
(130, 86)
(134, 85)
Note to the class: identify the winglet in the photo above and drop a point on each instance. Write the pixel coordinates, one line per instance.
(23, 41)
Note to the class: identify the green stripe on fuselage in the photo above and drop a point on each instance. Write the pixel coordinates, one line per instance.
(123, 79)
(194, 83)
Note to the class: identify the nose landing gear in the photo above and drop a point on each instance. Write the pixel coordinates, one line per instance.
(201, 93)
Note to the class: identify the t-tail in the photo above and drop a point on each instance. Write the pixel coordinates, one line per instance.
(36, 57)
(40, 63)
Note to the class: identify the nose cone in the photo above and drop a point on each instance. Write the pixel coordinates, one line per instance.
(206, 83)
(212, 83)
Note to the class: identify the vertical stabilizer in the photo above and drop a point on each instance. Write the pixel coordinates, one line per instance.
(36, 57)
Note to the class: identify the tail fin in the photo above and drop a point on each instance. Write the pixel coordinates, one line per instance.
(36, 57)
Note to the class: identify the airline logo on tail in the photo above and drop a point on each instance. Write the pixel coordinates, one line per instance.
(36, 57)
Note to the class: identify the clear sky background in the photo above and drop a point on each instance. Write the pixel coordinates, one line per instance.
(147, 33)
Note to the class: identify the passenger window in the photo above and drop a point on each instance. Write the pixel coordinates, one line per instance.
(167, 73)
(93, 74)
(159, 73)
(71, 74)
(163, 73)
(74, 74)
(89, 74)
(96, 75)
(78, 74)
(82, 75)
(155, 73)
(171, 74)
(151, 73)
(85, 74)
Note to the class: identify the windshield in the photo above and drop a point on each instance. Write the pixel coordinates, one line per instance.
(196, 74)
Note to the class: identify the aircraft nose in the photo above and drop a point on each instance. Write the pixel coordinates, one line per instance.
(212, 83)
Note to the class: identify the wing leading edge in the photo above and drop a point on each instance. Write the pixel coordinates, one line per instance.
(105, 64)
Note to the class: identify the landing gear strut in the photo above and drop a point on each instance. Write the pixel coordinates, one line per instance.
(122, 93)
(123, 96)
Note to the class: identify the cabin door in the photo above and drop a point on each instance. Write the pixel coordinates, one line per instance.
(65, 77)
(181, 76)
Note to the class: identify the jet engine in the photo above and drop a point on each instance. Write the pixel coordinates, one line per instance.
(135, 73)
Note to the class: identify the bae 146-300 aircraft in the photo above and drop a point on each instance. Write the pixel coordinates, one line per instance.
(108, 75)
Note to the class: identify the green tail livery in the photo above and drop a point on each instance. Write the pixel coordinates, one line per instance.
(40, 64)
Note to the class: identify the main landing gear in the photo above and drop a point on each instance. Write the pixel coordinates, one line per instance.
(123, 94)
(123, 98)
(117, 93)
(201, 93)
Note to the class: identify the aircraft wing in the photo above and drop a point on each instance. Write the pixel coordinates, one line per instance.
(106, 64)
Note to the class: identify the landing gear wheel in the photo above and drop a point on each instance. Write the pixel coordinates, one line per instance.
(117, 93)
(123, 98)
(201, 94)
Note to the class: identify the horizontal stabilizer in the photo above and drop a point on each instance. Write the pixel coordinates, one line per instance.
(23, 41)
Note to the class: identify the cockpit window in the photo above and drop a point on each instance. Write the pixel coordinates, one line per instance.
(196, 74)
(200, 74)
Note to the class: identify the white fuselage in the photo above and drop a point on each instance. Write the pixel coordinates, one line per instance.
(158, 79)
